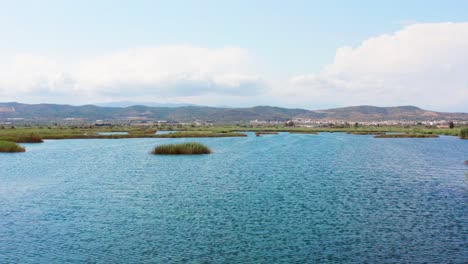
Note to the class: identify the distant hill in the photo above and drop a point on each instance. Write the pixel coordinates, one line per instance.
(131, 103)
(369, 113)
(54, 112)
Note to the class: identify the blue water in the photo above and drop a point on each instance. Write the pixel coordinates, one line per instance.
(327, 198)
(163, 132)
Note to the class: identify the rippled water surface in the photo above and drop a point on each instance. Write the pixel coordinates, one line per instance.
(275, 198)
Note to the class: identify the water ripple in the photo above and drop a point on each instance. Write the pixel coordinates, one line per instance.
(277, 198)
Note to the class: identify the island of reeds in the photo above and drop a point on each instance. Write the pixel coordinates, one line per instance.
(8, 146)
(189, 148)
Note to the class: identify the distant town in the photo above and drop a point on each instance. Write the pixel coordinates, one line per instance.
(297, 122)
(12, 114)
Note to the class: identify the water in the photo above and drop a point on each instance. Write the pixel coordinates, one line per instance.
(112, 133)
(282, 198)
(163, 132)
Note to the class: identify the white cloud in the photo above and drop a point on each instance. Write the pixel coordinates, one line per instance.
(166, 71)
(422, 64)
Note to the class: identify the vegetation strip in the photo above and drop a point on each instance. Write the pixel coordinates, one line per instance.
(303, 132)
(136, 135)
(21, 137)
(258, 133)
(199, 135)
(406, 136)
(33, 134)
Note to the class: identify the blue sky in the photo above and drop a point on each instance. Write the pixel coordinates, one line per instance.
(283, 40)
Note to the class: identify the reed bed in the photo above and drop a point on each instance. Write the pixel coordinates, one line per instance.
(464, 133)
(189, 148)
(8, 146)
(22, 138)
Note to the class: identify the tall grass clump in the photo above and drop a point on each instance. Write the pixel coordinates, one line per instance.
(189, 148)
(464, 133)
(29, 138)
(8, 146)
(303, 132)
(22, 138)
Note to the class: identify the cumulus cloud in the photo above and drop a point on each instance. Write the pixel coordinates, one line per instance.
(422, 64)
(166, 71)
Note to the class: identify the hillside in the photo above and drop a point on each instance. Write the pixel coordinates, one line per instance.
(369, 113)
(54, 112)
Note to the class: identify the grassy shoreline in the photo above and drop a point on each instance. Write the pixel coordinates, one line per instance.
(36, 134)
(200, 135)
(10, 147)
(134, 135)
(22, 138)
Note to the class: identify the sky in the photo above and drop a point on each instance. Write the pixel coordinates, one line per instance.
(297, 54)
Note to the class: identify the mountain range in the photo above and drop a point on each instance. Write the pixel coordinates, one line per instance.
(56, 112)
(131, 103)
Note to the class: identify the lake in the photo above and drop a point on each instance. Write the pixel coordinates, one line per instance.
(283, 198)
